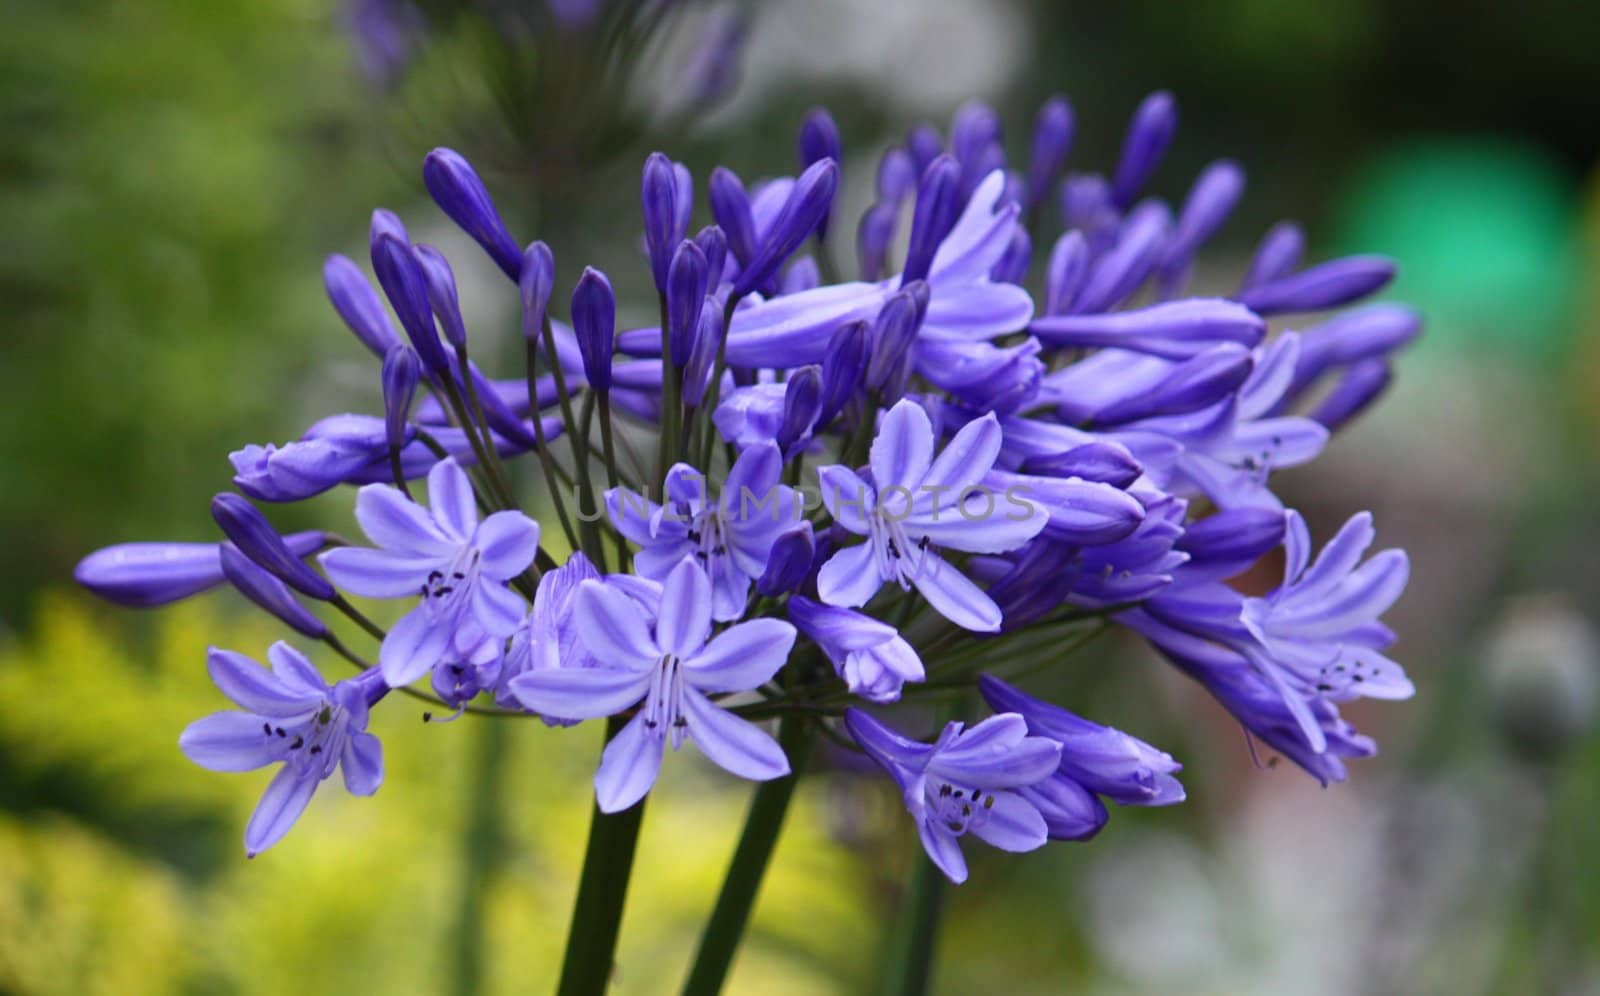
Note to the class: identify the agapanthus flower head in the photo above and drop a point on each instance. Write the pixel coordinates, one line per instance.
(290, 716)
(993, 471)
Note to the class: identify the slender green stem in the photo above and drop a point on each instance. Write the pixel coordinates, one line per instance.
(602, 891)
(608, 450)
(909, 966)
(761, 828)
(546, 461)
(481, 845)
(496, 469)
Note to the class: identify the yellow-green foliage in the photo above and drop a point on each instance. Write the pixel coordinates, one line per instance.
(363, 894)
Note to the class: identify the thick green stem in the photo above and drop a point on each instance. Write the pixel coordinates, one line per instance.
(908, 967)
(602, 890)
(761, 828)
(480, 856)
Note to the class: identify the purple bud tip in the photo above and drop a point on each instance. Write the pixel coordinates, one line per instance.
(1212, 198)
(403, 281)
(145, 575)
(897, 176)
(269, 593)
(802, 398)
(730, 205)
(254, 536)
(1069, 264)
(935, 213)
(536, 283)
(896, 328)
(1233, 535)
(789, 562)
(925, 145)
(974, 128)
(386, 222)
(1149, 134)
(1279, 253)
(658, 192)
(460, 194)
(686, 295)
(819, 138)
(1361, 385)
(842, 369)
(358, 304)
(1052, 141)
(1318, 288)
(1101, 463)
(873, 237)
(714, 244)
(1190, 386)
(442, 294)
(697, 375)
(594, 319)
(805, 208)
(401, 371)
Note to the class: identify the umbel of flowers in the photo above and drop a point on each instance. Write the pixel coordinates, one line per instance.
(941, 475)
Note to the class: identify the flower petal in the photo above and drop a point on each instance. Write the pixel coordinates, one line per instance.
(497, 609)
(415, 644)
(903, 447)
(612, 628)
(451, 501)
(628, 767)
(1013, 824)
(685, 615)
(376, 573)
(850, 578)
(296, 671)
(741, 657)
(967, 457)
(953, 595)
(281, 804)
(255, 689)
(362, 761)
(580, 692)
(508, 541)
(398, 524)
(733, 744)
(846, 497)
(227, 741)
(943, 850)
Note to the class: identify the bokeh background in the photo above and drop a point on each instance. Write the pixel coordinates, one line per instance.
(173, 173)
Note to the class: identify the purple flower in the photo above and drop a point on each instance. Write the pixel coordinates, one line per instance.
(869, 655)
(1102, 760)
(457, 189)
(548, 635)
(671, 669)
(145, 575)
(1259, 706)
(731, 536)
(457, 563)
(966, 781)
(917, 504)
(290, 717)
(1321, 624)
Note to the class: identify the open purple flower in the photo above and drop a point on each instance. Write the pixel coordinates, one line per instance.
(731, 535)
(290, 716)
(458, 564)
(671, 668)
(916, 504)
(967, 781)
(869, 655)
(1094, 758)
